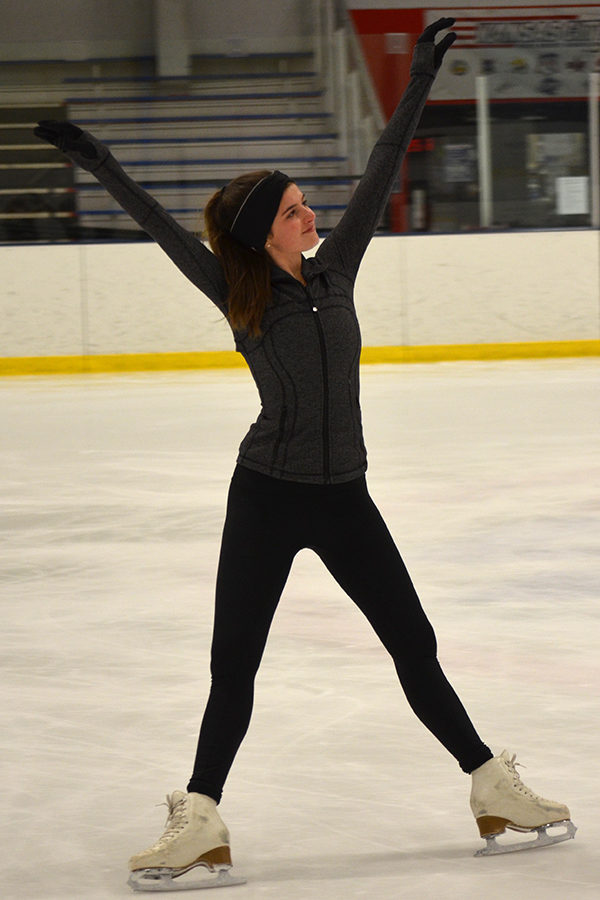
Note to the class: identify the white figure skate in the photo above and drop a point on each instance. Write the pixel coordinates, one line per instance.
(195, 835)
(500, 800)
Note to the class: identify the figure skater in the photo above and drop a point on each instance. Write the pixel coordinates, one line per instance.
(300, 481)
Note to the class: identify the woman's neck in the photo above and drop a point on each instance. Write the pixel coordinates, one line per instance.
(290, 264)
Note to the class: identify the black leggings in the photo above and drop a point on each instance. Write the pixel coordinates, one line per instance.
(268, 521)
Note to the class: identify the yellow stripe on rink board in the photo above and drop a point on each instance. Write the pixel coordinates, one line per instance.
(120, 362)
(229, 359)
(457, 352)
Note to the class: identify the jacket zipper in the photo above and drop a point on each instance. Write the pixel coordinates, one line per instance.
(326, 465)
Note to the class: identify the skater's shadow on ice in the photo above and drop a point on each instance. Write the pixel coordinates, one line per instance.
(392, 863)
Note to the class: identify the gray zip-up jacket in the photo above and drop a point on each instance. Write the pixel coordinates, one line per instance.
(306, 361)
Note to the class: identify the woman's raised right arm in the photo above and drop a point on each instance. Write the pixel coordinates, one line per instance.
(187, 251)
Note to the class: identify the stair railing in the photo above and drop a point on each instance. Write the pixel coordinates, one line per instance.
(349, 91)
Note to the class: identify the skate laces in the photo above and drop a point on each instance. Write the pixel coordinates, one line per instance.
(177, 818)
(511, 765)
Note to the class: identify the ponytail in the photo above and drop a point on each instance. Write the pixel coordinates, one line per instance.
(247, 272)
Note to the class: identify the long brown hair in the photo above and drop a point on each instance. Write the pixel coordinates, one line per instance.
(247, 272)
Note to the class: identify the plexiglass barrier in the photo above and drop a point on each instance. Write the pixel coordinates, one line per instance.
(508, 140)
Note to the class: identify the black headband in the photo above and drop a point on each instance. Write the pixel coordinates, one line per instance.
(255, 216)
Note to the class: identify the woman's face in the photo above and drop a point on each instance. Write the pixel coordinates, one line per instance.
(293, 229)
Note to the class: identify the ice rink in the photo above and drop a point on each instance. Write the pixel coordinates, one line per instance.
(113, 491)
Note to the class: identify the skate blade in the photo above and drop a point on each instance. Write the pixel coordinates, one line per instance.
(544, 839)
(163, 880)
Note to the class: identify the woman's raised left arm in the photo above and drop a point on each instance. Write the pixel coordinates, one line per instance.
(345, 246)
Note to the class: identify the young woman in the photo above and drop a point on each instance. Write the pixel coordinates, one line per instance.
(300, 475)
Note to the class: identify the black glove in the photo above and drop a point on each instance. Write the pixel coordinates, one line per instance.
(67, 137)
(429, 34)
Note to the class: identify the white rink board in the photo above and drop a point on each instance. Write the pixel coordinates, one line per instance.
(411, 291)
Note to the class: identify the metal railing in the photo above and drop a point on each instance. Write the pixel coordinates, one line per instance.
(349, 91)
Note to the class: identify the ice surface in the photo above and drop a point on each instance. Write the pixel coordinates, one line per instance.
(112, 493)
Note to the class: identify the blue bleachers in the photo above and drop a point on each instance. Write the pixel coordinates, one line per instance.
(182, 138)
(184, 144)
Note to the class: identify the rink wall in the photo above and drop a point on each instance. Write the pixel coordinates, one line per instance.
(104, 307)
